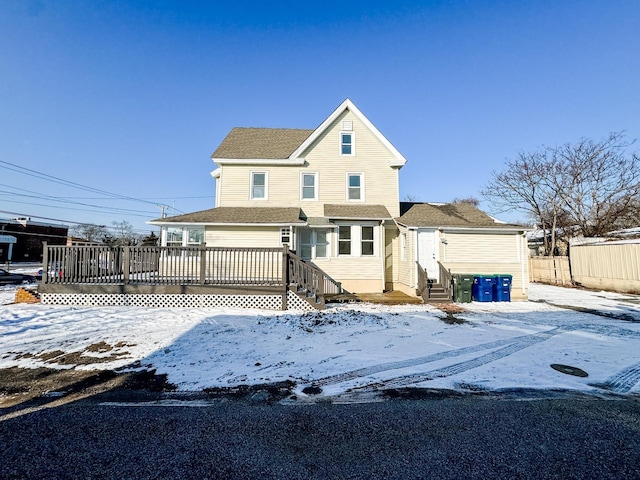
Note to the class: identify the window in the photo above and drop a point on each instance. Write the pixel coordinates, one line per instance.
(285, 236)
(195, 236)
(174, 237)
(308, 186)
(258, 185)
(357, 240)
(366, 240)
(355, 191)
(321, 243)
(344, 240)
(313, 243)
(305, 243)
(346, 143)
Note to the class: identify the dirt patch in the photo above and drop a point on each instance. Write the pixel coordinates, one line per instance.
(20, 385)
(451, 309)
(91, 355)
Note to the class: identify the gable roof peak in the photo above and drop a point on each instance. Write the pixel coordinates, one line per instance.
(347, 104)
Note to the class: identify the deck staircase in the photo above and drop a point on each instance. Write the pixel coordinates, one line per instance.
(310, 282)
(433, 291)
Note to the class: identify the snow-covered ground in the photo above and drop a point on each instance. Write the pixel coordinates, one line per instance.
(355, 347)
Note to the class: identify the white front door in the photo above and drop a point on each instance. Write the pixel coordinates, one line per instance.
(428, 252)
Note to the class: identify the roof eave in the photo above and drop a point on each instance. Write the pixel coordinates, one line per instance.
(259, 161)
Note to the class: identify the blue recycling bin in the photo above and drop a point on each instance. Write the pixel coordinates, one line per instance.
(502, 288)
(482, 290)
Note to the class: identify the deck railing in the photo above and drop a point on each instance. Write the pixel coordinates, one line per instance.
(425, 283)
(163, 265)
(273, 268)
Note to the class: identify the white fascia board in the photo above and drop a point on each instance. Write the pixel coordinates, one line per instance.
(259, 161)
(209, 224)
(398, 159)
(481, 229)
(216, 173)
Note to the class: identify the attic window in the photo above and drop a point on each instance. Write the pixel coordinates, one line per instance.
(346, 143)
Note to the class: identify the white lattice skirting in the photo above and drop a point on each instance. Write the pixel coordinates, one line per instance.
(266, 302)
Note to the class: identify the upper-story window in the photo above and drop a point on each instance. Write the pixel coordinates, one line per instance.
(355, 187)
(346, 143)
(258, 185)
(309, 186)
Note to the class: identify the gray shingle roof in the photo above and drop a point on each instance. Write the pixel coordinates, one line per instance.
(263, 143)
(239, 215)
(447, 215)
(360, 212)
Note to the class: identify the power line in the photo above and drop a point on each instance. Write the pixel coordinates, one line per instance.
(32, 173)
(57, 199)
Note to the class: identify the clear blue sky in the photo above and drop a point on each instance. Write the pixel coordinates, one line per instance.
(132, 98)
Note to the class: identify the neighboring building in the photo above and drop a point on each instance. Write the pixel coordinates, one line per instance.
(29, 237)
(332, 195)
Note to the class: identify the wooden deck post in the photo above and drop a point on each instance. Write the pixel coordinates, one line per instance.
(126, 260)
(285, 275)
(45, 262)
(203, 263)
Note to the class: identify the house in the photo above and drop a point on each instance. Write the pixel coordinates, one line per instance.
(332, 195)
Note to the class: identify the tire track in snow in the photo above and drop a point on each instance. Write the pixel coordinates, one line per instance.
(515, 346)
(363, 372)
(623, 381)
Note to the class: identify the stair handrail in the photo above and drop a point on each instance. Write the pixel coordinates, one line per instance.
(423, 283)
(446, 279)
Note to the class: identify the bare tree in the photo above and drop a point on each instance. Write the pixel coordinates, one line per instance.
(474, 202)
(89, 231)
(124, 234)
(588, 188)
(601, 186)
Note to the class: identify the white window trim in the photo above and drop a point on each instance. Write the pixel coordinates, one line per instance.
(353, 143)
(314, 243)
(356, 239)
(361, 175)
(266, 185)
(184, 242)
(315, 186)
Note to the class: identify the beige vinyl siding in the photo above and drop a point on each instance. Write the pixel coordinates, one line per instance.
(323, 157)
(406, 267)
(392, 253)
(480, 247)
(488, 254)
(229, 236)
(357, 274)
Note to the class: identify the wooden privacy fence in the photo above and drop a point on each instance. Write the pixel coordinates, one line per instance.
(242, 271)
(553, 270)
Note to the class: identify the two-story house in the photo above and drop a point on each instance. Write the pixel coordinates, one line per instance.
(332, 195)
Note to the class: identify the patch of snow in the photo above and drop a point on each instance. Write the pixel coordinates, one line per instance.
(344, 349)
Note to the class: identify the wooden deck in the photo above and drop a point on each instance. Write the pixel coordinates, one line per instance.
(385, 298)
